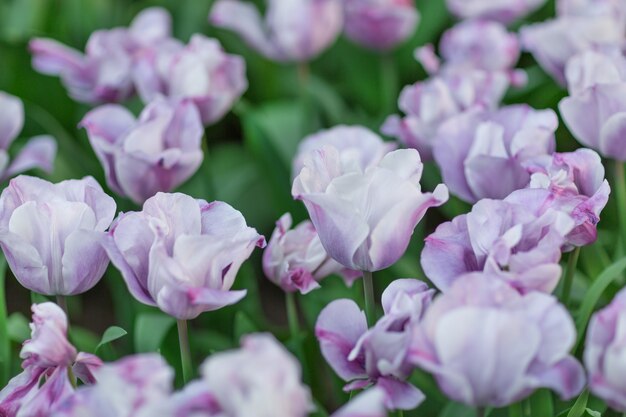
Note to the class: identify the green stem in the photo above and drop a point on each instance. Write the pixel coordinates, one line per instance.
(516, 410)
(185, 352)
(568, 280)
(292, 317)
(368, 289)
(62, 302)
(480, 412)
(388, 84)
(5, 343)
(400, 413)
(620, 193)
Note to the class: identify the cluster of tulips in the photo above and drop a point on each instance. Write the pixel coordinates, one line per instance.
(483, 320)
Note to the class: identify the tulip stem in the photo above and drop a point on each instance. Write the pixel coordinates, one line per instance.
(389, 83)
(292, 317)
(480, 412)
(185, 352)
(516, 410)
(62, 302)
(368, 289)
(620, 185)
(572, 261)
(5, 343)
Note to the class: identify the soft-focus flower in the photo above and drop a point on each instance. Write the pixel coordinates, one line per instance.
(380, 24)
(485, 154)
(577, 187)
(182, 254)
(518, 240)
(359, 147)
(605, 356)
(376, 356)
(47, 357)
(50, 233)
(295, 259)
(104, 72)
(595, 111)
(615, 9)
(294, 30)
(200, 71)
(125, 388)
(487, 345)
(501, 10)
(370, 403)
(157, 152)
(39, 152)
(365, 219)
(263, 380)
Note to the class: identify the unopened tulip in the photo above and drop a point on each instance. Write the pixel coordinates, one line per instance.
(293, 30)
(365, 219)
(156, 152)
(50, 233)
(182, 254)
(487, 345)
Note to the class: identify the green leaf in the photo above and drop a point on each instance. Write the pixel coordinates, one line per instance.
(5, 342)
(17, 328)
(593, 413)
(150, 330)
(243, 326)
(541, 403)
(593, 295)
(579, 407)
(111, 334)
(453, 409)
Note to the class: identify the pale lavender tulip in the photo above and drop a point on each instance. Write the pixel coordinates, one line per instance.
(50, 233)
(264, 380)
(370, 403)
(200, 71)
(486, 154)
(504, 11)
(156, 152)
(182, 254)
(377, 356)
(365, 219)
(487, 345)
(295, 30)
(47, 358)
(380, 24)
(595, 111)
(359, 147)
(577, 187)
(128, 387)
(518, 240)
(104, 72)
(39, 152)
(615, 9)
(604, 356)
(295, 259)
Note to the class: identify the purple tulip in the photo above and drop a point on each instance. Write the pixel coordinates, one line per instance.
(47, 357)
(200, 71)
(376, 356)
(365, 219)
(264, 380)
(595, 111)
(577, 187)
(359, 147)
(380, 24)
(504, 11)
(295, 260)
(157, 152)
(104, 72)
(182, 254)
(370, 403)
(50, 233)
(487, 345)
(605, 355)
(518, 240)
(39, 152)
(486, 154)
(296, 30)
(128, 387)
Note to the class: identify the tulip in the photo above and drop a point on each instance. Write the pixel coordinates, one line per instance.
(605, 355)
(39, 152)
(370, 403)
(182, 254)
(517, 240)
(104, 72)
(613, 8)
(295, 30)
(157, 152)
(486, 154)
(50, 233)
(200, 72)
(487, 345)
(365, 219)
(359, 147)
(500, 10)
(595, 111)
(380, 24)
